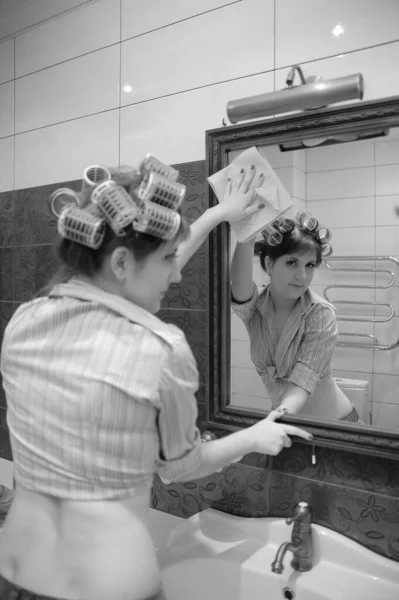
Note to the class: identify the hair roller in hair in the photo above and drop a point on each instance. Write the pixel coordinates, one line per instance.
(159, 221)
(158, 189)
(272, 236)
(307, 220)
(92, 176)
(82, 226)
(326, 250)
(62, 198)
(284, 225)
(324, 235)
(152, 164)
(118, 207)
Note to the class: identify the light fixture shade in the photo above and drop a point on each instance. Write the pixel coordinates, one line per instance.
(317, 94)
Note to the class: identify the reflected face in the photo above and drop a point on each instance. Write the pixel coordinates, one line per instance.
(292, 274)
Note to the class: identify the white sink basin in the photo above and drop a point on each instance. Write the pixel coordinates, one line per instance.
(215, 556)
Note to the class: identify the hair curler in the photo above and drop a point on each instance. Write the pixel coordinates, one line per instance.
(324, 235)
(152, 164)
(61, 198)
(326, 250)
(272, 236)
(284, 225)
(82, 226)
(92, 176)
(158, 189)
(307, 220)
(118, 206)
(159, 221)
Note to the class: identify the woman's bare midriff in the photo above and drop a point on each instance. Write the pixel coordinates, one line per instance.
(80, 550)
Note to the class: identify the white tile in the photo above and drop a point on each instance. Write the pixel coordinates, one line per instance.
(7, 61)
(344, 212)
(154, 14)
(277, 158)
(7, 164)
(357, 241)
(94, 26)
(73, 89)
(349, 358)
(62, 152)
(390, 297)
(340, 156)
(342, 183)
(339, 273)
(31, 12)
(6, 473)
(378, 66)
(387, 361)
(387, 152)
(177, 58)
(240, 354)
(386, 207)
(304, 29)
(238, 330)
(387, 241)
(247, 381)
(299, 188)
(385, 416)
(387, 180)
(251, 402)
(386, 388)
(342, 298)
(174, 127)
(6, 109)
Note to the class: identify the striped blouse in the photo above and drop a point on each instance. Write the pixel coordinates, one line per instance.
(303, 353)
(100, 395)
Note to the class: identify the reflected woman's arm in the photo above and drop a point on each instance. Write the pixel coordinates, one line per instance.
(294, 399)
(242, 271)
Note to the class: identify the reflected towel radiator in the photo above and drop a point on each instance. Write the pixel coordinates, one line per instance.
(375, 345)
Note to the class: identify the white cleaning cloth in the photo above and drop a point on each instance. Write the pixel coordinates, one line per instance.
(277, 199)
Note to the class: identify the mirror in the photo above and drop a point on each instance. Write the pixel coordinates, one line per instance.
(342, 163)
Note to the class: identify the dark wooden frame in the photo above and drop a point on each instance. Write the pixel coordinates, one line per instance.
(220, 416)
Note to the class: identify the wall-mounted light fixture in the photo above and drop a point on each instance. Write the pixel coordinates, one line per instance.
(330, 140)
(313, 92)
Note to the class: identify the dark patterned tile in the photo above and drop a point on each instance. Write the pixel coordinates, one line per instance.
(237, 489)
(5, 446)
(6, 219)
(193, 324)
(341, 468)
(7, 309)
(3, 401)
(34, 223)
(370, 519)
(6, 274)
(6, 498)
(191, 292)
(34, 265)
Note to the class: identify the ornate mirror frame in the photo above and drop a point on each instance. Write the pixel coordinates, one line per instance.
(220, 416)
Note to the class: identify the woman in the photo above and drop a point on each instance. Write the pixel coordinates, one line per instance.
(292, 331)
(100, 396)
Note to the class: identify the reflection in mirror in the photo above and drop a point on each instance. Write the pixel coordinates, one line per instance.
(352, 189)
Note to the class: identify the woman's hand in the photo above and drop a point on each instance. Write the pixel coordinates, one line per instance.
(239, 195)
(269, 437)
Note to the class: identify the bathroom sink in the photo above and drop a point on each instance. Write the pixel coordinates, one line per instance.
(217, 556)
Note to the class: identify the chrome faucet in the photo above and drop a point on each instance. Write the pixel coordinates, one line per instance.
(301, 541)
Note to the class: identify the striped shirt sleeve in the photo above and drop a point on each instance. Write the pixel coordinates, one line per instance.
(317, 347)
(245, 310)
(180, 440)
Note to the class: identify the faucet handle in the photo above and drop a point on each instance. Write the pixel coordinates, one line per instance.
(302, 512)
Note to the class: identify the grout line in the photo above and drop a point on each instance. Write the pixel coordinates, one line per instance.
(120, 83)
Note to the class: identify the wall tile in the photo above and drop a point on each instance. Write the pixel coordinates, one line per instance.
(386, 207)
(240, 354)
(153, 15)
(377, 65)
(250, 402)
(367, 518)
(33, 267)
(7, 61)
(7, 163)
(343, 183)
(247, 381)
(6, 219)
(68, 91)
(174, 127)
(345, 212)
(342, 156)
(386, 388)
(387, 180)
(386, 416)
(6, 109)
(6, 274)
(387, 151)
(94, 26)
(30, 13)
(148, 68)
(355, 471)
(62, 152)
(387, 241)
(304, 32)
